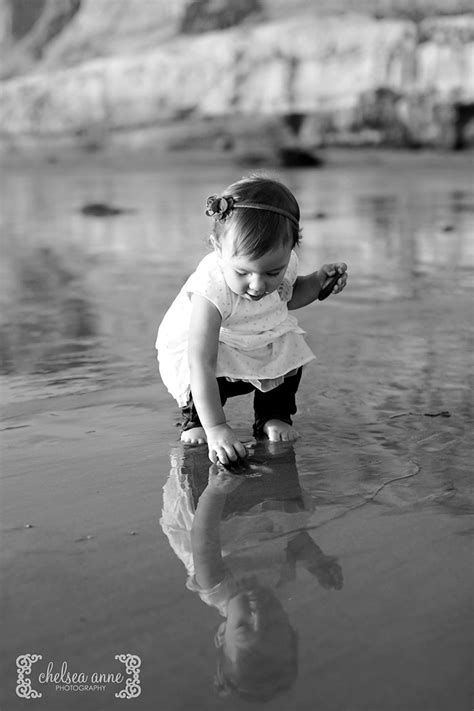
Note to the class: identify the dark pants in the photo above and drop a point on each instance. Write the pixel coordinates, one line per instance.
(276, 404)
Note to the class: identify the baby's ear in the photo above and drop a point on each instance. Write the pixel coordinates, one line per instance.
(219, 636)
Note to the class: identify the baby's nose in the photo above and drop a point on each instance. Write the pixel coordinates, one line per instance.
(257, 283)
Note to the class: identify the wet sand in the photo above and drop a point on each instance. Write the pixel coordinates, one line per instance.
(384, 419)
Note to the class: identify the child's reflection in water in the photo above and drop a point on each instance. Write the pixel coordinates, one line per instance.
(241, 540)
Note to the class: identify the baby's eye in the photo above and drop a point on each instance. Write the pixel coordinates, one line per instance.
(240, 273)
(274, 274)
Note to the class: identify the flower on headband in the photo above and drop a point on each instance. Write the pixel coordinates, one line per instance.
(219, 207)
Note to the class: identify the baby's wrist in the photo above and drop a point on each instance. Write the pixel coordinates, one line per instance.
(317, 276)
(213, 492)
(210, 428)
(317, 282)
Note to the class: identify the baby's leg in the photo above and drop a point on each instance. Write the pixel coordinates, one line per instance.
(278, 430)
(274, 408)
(192, 432)
(195, 435)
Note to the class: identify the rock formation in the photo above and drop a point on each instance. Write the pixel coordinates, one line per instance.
(125, 72)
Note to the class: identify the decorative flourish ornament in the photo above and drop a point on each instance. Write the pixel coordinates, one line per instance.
(132, 667)
(23, 684)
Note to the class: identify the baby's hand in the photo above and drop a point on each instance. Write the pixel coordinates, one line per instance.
(223, 444)
(222, 481)
(328, 572)
(328, 271)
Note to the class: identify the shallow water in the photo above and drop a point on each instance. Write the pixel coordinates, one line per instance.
(81, 296)
(363, 529)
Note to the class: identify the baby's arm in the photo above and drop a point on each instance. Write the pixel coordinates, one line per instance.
(205, 533)
(203, 345)
(306, 289)
(325, 567)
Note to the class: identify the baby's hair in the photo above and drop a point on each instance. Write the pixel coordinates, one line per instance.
(259, 230)
(255, 676)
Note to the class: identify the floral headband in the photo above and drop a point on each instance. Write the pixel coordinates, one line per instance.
(222, 207)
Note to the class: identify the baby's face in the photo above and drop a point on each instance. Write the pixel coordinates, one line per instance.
(249, 277)
(255, 618)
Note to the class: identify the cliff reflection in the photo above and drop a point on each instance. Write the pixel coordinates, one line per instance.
(242, 541)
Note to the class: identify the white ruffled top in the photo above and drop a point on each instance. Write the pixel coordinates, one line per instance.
(259, 341)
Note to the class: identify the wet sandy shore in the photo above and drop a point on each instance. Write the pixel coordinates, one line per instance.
(384, 418)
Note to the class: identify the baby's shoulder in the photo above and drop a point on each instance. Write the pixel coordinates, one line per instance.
(219, 595)
(209, 266)
(208, 271)
(208, 281)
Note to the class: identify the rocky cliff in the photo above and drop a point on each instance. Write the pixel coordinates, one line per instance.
(128, 72)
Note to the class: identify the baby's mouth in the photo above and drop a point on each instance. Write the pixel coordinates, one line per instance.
(256, 297)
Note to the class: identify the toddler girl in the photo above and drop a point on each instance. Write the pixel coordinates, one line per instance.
(228, 331)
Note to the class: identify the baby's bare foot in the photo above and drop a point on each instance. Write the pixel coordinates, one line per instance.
(277, 431)
(195, 435)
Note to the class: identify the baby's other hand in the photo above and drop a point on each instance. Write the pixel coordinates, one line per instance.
(328, 572)
(224, 445)
(328, 271)
(221, 480)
